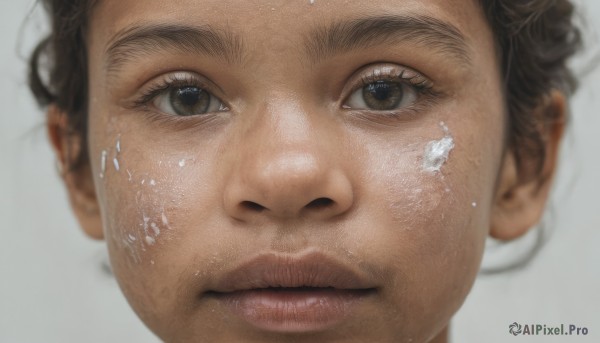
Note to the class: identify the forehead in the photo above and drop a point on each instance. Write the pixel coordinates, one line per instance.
(266, 21)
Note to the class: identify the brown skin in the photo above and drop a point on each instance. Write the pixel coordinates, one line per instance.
(285, 139)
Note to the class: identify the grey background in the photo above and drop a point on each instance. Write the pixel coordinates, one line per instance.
(53, 289)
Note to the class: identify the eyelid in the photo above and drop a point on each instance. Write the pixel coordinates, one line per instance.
(163, 83)
(387, 72)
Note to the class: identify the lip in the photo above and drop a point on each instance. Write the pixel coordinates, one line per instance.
(284, 293)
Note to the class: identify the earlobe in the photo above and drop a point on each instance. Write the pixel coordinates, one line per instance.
(79, 182)
(520, 203)
(518, 206)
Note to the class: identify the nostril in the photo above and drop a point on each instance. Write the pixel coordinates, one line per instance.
(320, 203)
(252, 206)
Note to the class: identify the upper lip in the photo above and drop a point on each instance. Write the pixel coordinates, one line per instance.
(276, 270)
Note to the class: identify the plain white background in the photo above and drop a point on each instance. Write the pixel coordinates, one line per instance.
(53, 287)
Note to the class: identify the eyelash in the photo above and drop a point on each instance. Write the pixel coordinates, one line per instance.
(169, 82)
(423, 87)
(426, 93)
(376, 75)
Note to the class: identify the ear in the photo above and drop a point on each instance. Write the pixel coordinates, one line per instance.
(79, 183)
(520, 200)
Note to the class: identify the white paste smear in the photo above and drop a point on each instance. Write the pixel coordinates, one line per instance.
(103, 163)
(148, 238)
(155, 229)
(436, 152)
(118, 151)
(146, 220)
(182, 163)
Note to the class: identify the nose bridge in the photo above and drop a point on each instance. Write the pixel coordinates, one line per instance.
(283, 168)
(286, 159)
(283, 119)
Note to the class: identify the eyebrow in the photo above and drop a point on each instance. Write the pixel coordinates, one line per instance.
(364, 33)
(319, 44)
(144, 40)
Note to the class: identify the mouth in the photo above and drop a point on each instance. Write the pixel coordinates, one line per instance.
(292, 294)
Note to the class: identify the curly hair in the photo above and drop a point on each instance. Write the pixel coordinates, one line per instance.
(534, 39)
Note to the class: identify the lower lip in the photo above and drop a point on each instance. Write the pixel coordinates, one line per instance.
(298, 310)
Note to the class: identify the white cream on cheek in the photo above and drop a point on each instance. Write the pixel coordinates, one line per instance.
(115, 160)
(117, 152)
(116, 164)
(418, 191)
(416, 194)
(135, 192)
(103, 156)
(437, 152)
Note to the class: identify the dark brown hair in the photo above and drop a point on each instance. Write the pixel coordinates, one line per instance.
(534, 39)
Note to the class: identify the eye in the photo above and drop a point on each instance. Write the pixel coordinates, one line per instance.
(383, 95)
(187, 100)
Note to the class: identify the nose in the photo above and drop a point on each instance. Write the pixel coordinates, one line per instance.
(288, 167)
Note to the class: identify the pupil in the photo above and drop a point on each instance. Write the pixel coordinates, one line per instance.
(188, 96)
(187, 101)
(383, 95)
(380, 91)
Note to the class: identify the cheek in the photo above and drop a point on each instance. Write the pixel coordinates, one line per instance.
(428, 185)
(156, 195)
(139, 198)
(431, 205)
(142, 188)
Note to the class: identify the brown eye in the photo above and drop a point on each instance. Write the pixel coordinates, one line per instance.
(383, 96)
(188, 101)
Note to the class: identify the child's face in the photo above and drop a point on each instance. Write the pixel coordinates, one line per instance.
(234, 145)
